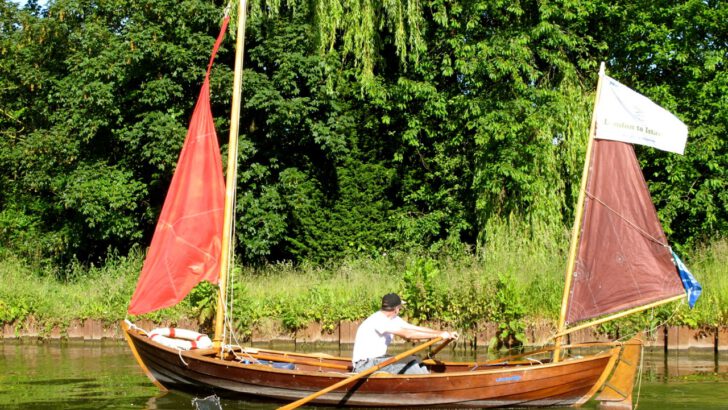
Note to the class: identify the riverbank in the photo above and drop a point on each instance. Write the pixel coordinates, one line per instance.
(512, 282)
(663, 337)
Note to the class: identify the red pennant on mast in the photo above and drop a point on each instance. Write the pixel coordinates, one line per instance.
(185, 249)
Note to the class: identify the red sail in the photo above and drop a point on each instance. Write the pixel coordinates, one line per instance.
(185, 249)
(623, 260)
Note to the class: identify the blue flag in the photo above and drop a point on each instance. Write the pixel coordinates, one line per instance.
(692, 287)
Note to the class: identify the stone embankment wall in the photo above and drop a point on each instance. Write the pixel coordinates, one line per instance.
(666, 337)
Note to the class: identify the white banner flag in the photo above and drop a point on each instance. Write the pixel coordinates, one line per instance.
(625, 115)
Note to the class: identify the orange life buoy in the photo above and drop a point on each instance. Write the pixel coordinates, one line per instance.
(183, 339)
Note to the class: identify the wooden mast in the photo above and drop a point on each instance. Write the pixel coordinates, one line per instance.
(576, 231)
(231, 174)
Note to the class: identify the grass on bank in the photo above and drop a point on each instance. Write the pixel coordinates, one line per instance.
(100, 293)
(512, 281)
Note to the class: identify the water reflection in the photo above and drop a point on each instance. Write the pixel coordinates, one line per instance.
(94, 375)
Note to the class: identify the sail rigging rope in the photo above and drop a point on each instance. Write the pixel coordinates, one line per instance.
(632, 224)
(179, 352)
(230, 291)
(639, 378)
(231, 276)
(228, 332)
(652, 329)
(226, 12)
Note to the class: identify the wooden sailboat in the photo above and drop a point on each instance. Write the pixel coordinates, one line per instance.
(613, 237)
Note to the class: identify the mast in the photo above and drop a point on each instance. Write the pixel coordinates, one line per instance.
(576, 231)
(231, 176)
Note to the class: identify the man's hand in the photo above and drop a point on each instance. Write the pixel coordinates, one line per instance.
(449, 335)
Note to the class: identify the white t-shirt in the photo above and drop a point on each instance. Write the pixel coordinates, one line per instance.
(374, 336)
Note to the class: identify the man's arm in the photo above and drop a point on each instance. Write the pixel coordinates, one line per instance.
(409, 331)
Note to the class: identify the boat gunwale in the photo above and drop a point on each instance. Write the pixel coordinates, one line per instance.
(190, 354)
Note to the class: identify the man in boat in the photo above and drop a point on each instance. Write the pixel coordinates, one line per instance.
(377, 331)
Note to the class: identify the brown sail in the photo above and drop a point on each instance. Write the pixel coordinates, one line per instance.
(623, 260)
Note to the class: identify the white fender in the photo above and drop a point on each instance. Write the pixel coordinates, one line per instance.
(182, 339)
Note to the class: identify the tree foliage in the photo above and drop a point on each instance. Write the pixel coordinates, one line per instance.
(368, 125)
(677, 55)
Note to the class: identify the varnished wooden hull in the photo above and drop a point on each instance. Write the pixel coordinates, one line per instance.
(570, 382)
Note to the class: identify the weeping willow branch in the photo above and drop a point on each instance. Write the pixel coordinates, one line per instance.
(354, 27)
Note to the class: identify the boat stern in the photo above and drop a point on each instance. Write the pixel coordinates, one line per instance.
(617, 391)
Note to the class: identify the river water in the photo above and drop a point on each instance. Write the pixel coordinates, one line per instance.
(104, 375)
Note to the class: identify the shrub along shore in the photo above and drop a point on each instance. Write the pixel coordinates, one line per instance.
(509, 283)
(270, 333)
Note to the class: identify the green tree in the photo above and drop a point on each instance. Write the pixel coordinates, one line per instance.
(677, 54)
(367, 126)
(307, 189)
(100, 93)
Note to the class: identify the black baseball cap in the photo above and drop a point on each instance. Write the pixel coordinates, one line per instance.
(390, 301)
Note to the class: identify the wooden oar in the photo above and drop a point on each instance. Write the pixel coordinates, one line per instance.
(360, 375)
(438, 348)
